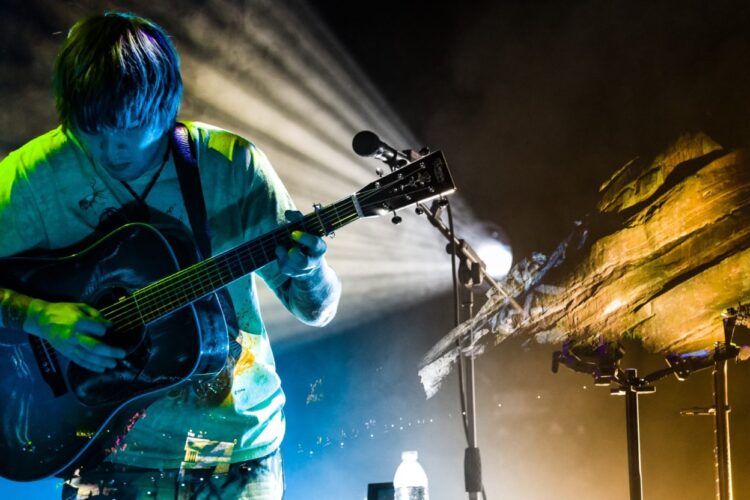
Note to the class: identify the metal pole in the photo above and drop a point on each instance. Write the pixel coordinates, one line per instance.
(634, 442)
(721, 431)
(472, 413)
(470, 462)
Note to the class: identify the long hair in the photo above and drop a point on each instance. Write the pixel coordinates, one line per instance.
(117, 71)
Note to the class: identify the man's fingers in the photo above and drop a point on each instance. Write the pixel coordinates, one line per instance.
(294, 257)
(95, 323)
(313, 245)
(89, 366)
(100, 349)
(92, 312)
(91, 326)
(91, 361)
(293, 215)
(303, 257)
(280, 254)
(297, 257)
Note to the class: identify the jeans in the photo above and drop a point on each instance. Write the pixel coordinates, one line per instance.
(259, 479)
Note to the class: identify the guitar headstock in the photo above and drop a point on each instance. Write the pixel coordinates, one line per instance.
(419, 181)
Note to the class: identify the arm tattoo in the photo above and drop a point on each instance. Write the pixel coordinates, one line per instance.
(13, 309)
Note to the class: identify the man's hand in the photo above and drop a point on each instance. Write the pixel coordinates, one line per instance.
(72, 329)
(312, 294)
(303, 258)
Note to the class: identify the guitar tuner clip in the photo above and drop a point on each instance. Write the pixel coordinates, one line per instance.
(326, 232)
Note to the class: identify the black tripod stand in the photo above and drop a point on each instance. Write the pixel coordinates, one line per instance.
(471, 274)
(603, 363)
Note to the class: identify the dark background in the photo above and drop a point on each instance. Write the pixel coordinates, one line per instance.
(535, 104)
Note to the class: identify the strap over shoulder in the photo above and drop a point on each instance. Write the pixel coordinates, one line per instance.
(188, 175)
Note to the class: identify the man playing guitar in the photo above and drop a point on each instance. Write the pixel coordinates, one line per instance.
(118, 89)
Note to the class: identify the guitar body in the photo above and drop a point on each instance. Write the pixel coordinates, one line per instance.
(54, 414)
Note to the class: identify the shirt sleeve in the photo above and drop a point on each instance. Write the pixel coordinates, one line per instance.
(265, 201)
(20, 221)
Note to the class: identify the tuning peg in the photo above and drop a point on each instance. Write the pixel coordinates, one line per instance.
(396, 218)
(379, 171)
(419, 210)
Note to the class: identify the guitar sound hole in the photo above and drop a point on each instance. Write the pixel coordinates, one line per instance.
(124, 336)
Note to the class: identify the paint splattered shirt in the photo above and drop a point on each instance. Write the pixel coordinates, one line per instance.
(52, 196)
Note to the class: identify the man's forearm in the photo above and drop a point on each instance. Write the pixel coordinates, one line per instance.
(14, 309)
(315, 298)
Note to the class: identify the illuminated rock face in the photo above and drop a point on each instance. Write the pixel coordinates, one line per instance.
(662, 256)
(673, 257)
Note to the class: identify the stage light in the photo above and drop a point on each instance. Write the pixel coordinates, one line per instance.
(494, 249)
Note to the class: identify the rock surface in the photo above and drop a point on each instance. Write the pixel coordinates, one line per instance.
(662, 256)
(676, 256)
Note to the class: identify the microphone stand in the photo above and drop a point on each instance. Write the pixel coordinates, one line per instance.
(471, 272)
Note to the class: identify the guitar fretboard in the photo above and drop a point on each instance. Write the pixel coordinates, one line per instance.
(206, 277)
(421, 180)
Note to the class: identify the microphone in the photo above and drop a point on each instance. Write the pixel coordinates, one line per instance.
(366, 143)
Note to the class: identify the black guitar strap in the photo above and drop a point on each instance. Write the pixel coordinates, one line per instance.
(190, 185)
(188, 175)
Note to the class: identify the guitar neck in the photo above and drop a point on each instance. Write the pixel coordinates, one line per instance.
(424, 179)
(208, 276)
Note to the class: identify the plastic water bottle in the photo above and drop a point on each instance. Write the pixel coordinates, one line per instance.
(410, 481)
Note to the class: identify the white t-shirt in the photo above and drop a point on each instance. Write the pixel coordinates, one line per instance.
(52, 196)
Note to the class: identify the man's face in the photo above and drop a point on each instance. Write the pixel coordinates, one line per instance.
(125, 154)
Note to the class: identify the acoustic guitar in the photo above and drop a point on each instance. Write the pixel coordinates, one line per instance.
(162, 303)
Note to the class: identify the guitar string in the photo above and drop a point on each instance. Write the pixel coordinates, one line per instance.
(225, 265)
(210, 275)
(262, 241)
(256, 248)
(184, 283)
(224, 268)
(224, 271)
(259, 248)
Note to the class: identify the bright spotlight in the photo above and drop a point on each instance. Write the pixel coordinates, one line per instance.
(494, 249)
